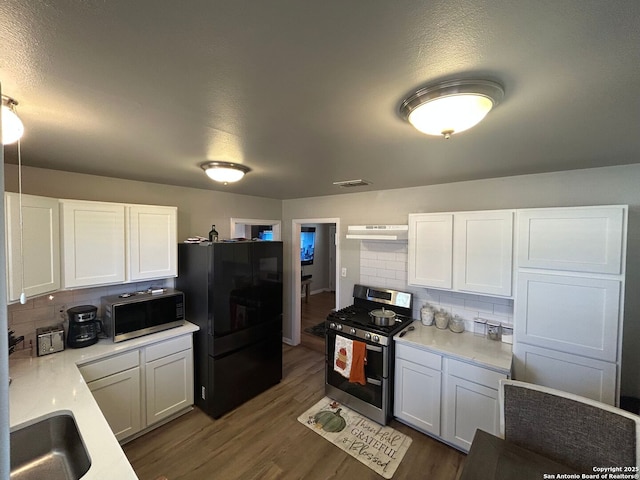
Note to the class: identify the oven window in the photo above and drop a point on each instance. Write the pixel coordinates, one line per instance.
(372, 392)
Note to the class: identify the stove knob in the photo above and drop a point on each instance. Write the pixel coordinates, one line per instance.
(376, 338)
(352, 331)
(332, 325)
(339, 327)
(367, 336)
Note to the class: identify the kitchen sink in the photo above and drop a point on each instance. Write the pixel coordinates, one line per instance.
(51, 448)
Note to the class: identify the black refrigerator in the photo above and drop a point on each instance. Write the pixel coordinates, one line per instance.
(233, 292)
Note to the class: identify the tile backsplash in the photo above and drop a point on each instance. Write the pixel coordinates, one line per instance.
(51, 309)
(384, 264)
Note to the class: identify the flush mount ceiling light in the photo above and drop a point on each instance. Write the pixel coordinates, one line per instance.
(224, 172)
(451, 107)
(12, 128)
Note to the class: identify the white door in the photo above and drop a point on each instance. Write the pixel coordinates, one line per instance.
(36, 253)
(578, 239)
(417, 395)
(152, 242)
(483, 251)
(467, 407)
(169, 385)
(583, 376)
(430, 249)
(93, 235)
(572, 314)
(118, 397)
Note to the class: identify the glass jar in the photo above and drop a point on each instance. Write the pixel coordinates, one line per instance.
(494, 331)
(479, 326)
(456, 324)
(442, 319)
(426, 315)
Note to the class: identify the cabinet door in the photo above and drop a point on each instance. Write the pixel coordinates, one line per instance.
(467, 407)
(40, 245)
(430, 250)
(580, 239)
(93, 243)
(576, 315)
(152, 242)
(417, 396)
(483, 250)
(169, 385)
(118, 397)
(572, 373)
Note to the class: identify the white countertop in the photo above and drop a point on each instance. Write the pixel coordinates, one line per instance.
(465, 346)
(42, 386)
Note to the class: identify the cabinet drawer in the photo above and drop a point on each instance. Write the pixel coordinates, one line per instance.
(159, 350)
(109, 366)
(421, 357)
(474, 373)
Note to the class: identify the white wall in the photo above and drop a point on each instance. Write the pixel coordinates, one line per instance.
(197, 209)
(610, 185)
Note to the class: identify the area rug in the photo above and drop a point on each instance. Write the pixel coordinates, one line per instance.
(380, 448)
(317, 330)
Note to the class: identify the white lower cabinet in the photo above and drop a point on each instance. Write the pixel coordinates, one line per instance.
(115, 385)
(157, 379)
(579, 375)
(417, 390)
(445, 398)
(169, 378)
(470, 401)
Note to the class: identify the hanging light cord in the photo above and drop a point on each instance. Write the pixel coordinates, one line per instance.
(23, 298)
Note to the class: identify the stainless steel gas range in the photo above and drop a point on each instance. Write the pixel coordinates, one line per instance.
(374, 399)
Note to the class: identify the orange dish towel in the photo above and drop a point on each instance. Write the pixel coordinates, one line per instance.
(358, 362)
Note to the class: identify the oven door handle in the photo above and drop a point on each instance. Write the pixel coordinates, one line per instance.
(374, 381)
(373, 348)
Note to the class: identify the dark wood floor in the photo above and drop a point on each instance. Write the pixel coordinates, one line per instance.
(312, 313)
(262, 439)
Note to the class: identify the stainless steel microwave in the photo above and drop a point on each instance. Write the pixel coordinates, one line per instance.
(132, 315)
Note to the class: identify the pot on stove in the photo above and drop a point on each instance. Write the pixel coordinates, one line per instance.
(383, 317)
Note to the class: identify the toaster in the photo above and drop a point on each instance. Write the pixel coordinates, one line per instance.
(50, 339)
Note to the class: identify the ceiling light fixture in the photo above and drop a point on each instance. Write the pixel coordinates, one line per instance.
(12, 127)
(451, 107)
(225, 172)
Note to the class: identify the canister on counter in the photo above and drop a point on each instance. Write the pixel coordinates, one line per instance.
(494, 330)
(426, 315)
(479, 326)
(507, 333)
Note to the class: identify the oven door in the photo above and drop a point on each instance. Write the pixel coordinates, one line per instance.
(376, 372)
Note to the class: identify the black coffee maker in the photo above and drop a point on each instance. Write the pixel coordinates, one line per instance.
(83, 326)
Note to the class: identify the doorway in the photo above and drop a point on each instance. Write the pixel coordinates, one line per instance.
(332, 226)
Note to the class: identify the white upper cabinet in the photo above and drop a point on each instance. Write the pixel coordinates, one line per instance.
(152, 242)
(483, 252)
(93, 243)
(430, 250)
(40, 245)
(464, 251)
(579, 239)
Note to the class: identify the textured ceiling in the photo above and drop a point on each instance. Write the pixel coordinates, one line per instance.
(307, 93)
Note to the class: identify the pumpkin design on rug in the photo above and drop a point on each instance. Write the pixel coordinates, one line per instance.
(330, 421)
(379, 447)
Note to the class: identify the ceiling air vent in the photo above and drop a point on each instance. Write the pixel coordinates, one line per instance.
(352, 183)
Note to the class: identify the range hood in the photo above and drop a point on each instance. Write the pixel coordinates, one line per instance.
(378, 232)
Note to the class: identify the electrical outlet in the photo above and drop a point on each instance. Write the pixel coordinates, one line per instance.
(62, 312)
(343, 272)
